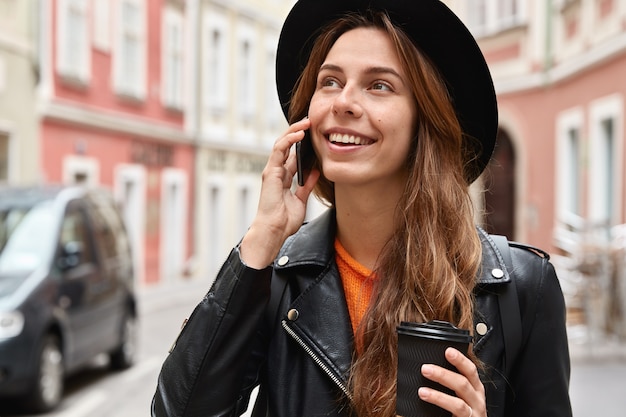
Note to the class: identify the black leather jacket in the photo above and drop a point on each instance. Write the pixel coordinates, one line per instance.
(301, 355)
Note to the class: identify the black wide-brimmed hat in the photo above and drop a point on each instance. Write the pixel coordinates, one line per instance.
(437, 32)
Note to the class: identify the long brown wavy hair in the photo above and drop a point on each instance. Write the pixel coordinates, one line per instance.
(427, 269)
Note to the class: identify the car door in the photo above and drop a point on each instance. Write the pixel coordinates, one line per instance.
(111, 297)
(79, 283)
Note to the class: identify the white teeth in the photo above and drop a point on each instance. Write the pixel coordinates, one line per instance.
(338, 138)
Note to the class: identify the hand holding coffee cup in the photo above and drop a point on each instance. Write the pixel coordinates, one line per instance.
(419, 344)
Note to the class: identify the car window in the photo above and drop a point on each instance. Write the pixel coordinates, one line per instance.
(26, 237)
(108, 228)
(75, 231)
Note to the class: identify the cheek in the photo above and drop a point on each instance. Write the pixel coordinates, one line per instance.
(317, 106)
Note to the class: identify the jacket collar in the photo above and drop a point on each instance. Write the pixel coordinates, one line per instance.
(313, 244)
(318, 234)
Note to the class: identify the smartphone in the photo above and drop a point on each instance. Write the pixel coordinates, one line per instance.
(305, 157)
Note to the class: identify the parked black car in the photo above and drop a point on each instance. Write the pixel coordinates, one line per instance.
(66, 289)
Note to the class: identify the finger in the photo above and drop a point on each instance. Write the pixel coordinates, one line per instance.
(455, 405)
(449, 379)
(465, 366)
(282, 146)
(291, 165)
(303, 192)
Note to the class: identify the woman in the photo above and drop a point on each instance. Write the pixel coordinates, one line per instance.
(399, 105)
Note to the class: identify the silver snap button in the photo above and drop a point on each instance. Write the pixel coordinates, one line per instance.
(293, 314)
(283, 260)
(497, 273)
(481, 329)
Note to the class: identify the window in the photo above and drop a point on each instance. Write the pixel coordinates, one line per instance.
(73, 60)
(79, 169)
(569, 173)
(173, 223)
(215, 248)
(273, 114)
(130, 56)
(101, 20)
(173, 59)
(243, 208)
(75, 236)
(488, 16)
(572, 168)
(246, 65)
(216, 59)
(606, 161)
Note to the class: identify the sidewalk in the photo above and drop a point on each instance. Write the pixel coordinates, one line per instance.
(585, 347)
(161, 296)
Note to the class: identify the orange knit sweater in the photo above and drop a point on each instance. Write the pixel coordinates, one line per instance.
(357, 283)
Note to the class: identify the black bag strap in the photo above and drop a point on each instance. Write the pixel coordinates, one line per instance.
(277, 290)
(508, 302)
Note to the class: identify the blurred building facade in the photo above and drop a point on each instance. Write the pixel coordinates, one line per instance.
(19, 130)
(558, 176)
(111, 112)
(559, 69)
(172, 104)
(234, 114)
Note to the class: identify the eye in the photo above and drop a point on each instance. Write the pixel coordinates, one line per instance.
(329, 82)
(381, 86)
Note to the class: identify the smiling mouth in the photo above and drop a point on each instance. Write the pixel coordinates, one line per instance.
(348, 139)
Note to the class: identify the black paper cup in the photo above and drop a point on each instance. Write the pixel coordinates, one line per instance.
(424, 343)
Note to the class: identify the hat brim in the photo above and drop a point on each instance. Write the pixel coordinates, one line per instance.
(435, 29)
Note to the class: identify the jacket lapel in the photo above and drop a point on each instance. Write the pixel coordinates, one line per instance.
(319, 314)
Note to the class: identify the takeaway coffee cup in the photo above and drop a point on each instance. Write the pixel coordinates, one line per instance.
(418, 344)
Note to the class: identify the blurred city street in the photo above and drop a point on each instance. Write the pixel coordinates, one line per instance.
(171, 107)
(597, 384)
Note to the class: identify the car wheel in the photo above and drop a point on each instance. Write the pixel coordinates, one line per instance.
(48, 386)
(125, 355)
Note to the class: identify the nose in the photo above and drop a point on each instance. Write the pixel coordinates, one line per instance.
(347, 102)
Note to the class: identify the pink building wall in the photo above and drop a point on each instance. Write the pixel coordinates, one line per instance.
(113, 146)
(534, 114)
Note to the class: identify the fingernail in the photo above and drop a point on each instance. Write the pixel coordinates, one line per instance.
(423, 393)
(427, 370)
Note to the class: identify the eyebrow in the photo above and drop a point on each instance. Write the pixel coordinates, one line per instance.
(369, 70)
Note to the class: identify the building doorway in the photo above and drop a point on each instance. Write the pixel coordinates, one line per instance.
(500, 189)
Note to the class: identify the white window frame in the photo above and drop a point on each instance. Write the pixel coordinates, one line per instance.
(492, 19)
(133, 85)
(133, 210)
(273, 112)
(571, 120)
(247, 196)
(246, 72)
(101, 18)
(600, 110)
(215, 246)
(75, 164)
(172, 58)
(73, 43)
(216, 60)
(173, 223)
(568, 222)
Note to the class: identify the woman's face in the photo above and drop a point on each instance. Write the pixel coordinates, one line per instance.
(362, 111)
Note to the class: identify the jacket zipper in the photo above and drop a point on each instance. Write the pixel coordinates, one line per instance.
(316, 359)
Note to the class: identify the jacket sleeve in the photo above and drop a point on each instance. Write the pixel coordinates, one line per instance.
(216, 358)
(540, 378)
